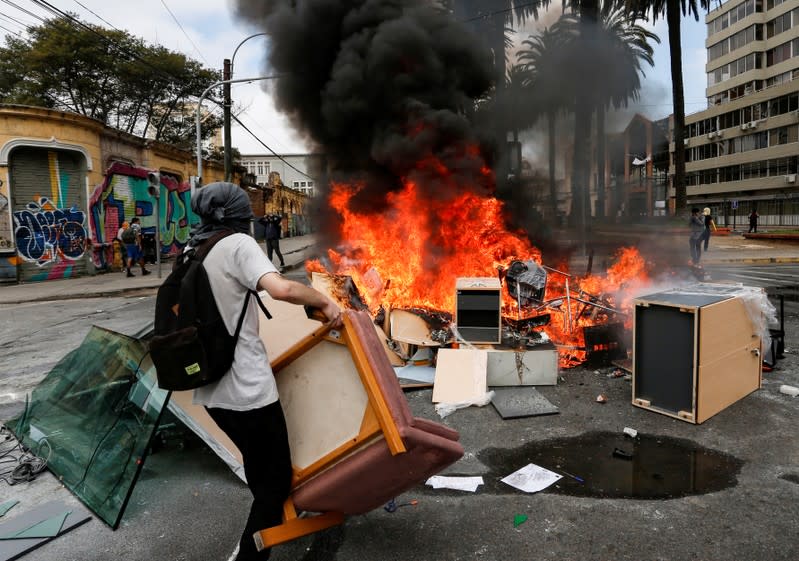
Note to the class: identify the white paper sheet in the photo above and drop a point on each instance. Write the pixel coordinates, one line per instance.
(532, 478)
(458, 483)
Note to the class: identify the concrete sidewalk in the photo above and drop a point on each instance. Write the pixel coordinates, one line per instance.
(295, 251)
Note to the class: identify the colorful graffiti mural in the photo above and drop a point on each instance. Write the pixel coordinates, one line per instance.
(45, 234)
(124, 195)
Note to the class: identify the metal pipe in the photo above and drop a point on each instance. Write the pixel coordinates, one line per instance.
(568, 305)
(600, 306)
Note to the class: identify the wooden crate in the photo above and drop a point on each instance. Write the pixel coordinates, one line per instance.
(693, 354)
(478, 309)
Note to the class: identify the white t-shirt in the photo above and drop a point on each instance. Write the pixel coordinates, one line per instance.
(234, 265)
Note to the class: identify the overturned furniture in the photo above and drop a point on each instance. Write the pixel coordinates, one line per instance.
(354, 443)
(696, 349)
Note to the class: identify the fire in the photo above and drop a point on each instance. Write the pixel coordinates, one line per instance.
(411, 255)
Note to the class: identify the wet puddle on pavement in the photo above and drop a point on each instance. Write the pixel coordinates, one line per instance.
(612, 465)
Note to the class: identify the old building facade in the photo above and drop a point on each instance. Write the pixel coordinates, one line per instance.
(67, 182)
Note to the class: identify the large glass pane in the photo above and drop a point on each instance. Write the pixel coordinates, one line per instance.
(96, 412)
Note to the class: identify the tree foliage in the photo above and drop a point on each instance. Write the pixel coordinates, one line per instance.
(108, 75)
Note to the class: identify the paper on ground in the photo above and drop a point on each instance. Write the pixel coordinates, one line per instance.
(531, 478)
(458, 483)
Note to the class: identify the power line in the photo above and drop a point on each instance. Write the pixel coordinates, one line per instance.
(23, 10)
(12, 32)
(108, 41)
(278, 156)
(97, 15)
(184, 32)
(15, 20)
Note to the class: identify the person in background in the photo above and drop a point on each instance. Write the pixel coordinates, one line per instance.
(132, 238)
(753, 221)
(244, 403)
(697, 225)
(123, 254)
(271, 224)
(709, 223)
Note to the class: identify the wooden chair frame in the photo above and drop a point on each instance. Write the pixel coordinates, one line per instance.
(377, 423)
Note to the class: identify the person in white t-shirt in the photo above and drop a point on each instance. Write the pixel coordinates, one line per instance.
(244, 402)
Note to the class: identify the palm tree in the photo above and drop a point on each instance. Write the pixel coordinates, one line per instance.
(550, 87)
(674, 10)
(492, 19)
(629, 45)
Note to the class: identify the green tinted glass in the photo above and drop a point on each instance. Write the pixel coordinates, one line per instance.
(96, 410)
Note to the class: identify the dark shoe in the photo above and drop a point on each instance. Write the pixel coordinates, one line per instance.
(145, 272)
(130, 274)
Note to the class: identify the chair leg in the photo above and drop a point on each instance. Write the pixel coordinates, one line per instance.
(294, 527)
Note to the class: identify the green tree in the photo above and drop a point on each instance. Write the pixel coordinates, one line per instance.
(108, 75)
(674, 10)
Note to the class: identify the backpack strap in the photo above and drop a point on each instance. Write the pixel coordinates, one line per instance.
(261, 305)
(244, 312)
(205, 246)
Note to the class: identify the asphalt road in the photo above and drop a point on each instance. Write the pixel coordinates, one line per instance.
(188, 506)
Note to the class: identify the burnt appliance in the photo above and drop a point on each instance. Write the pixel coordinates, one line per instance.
(526, 282)
(478, 308)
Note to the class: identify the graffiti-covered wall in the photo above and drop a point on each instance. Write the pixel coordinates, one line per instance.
(48, 190)
(123, 195)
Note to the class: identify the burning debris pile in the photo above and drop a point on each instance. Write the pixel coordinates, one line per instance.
(411, 204)
(390, 263)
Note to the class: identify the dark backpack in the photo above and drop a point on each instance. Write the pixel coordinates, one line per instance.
(191, 346)
(129, 235)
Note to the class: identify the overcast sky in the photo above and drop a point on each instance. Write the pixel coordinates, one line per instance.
(208, 31)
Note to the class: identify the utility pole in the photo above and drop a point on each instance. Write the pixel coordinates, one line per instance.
(226, 133)
(198, 181)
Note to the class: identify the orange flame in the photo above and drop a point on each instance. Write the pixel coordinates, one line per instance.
(412, 254)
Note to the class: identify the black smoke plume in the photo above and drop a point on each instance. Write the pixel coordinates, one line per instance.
(381, 87)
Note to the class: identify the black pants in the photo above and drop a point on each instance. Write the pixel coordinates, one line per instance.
(706, 237)
(274, 245)
(695, 246)
(261, 437)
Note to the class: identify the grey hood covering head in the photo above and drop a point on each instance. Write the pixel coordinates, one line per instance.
(220, 206)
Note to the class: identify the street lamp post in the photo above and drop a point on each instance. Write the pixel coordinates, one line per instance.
(227, 74)
(198, 129)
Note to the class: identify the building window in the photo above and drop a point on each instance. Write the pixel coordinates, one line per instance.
(296, 184)
(260, 168)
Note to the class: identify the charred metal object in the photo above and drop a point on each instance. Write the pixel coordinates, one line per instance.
(526, 282)
(605, 343)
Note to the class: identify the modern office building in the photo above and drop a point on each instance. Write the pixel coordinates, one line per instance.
(742, 152)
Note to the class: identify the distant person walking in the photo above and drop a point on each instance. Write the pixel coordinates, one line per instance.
(131, 237)
(271, 223)
(753, 221)
(709, 223)
(697, 225)
(123, 255)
